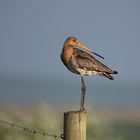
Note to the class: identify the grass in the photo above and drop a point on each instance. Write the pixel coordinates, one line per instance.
(50, 119)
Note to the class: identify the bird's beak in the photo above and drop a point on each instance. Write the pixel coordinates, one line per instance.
(87, 49)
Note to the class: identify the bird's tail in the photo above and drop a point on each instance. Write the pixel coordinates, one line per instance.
(114, 72)
(106, 74)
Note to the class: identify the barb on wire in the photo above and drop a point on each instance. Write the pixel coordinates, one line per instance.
(29, 130)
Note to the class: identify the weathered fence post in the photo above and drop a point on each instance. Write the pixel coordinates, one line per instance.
(75, 125)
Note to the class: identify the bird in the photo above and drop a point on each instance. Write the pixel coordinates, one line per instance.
(80, 60)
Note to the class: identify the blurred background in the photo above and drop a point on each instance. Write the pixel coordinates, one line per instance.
(35, 87)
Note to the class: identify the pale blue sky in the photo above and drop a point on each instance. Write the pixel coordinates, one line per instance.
(32, 33)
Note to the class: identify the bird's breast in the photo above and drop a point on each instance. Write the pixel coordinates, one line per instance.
(70, 64)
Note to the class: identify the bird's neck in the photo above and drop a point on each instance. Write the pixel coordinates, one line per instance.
(67, 52)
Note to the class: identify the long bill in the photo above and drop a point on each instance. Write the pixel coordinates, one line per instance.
(87, 49)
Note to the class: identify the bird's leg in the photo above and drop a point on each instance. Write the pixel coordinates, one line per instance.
(83, 92)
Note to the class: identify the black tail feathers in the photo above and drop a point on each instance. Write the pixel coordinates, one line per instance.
(115, 72)
(108, 75)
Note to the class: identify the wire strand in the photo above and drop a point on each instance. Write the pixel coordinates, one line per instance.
(29, 130)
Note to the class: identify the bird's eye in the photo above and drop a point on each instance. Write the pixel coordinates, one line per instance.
(74, 40)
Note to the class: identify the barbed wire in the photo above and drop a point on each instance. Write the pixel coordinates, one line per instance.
(29, 130)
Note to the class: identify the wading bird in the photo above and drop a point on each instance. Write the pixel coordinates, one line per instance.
(83, 63)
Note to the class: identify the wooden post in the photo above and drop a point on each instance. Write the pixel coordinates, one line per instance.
(75, 125)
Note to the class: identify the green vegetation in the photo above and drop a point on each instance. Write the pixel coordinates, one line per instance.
(49, 119)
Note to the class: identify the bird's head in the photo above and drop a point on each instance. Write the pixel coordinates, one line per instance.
(72, 41)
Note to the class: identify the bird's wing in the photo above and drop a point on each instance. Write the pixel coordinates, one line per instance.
(86, 61)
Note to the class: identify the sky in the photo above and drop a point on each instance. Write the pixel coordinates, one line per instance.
(32, 33)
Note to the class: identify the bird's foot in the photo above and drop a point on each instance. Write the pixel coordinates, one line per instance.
(82, 109)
